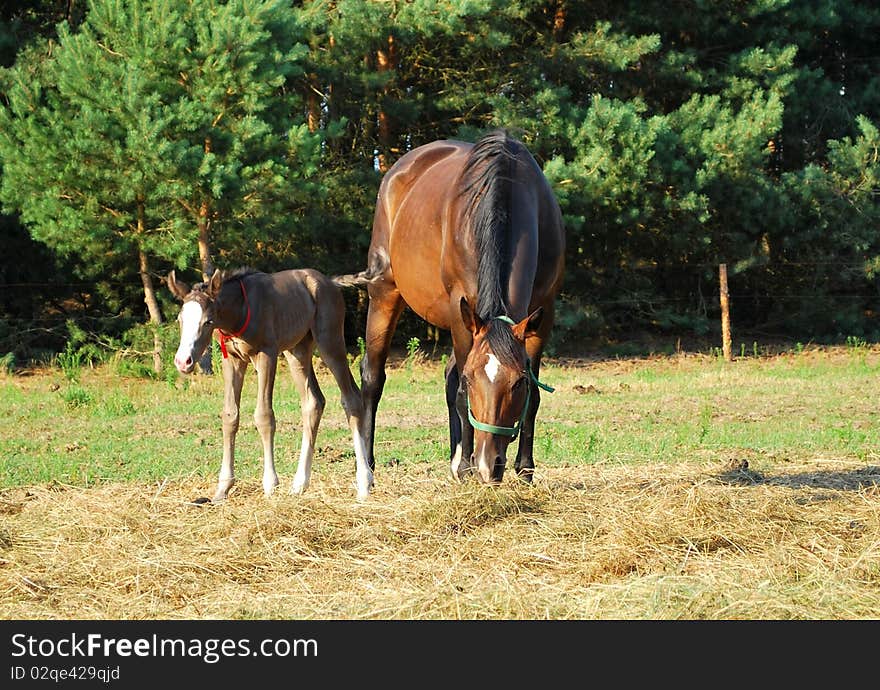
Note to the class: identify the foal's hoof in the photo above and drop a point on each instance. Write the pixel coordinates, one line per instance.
(200, 501)
(224, 486)
(269, 486)
(363, 492)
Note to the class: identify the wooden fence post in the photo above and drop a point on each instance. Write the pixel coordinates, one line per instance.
(725, 312)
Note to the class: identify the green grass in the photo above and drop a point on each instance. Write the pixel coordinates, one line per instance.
(668, 487)
(100, 426)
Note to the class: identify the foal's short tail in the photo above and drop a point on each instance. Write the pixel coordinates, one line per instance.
(377, 265)
(358, 280)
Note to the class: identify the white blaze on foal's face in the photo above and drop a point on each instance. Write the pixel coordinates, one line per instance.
(190, 318)
(491, 368)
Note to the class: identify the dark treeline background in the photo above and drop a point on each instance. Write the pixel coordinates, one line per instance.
(137, 137)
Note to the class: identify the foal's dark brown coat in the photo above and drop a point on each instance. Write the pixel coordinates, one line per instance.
(257, 316)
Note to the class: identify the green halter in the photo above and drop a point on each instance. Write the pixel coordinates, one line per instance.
(512, 431)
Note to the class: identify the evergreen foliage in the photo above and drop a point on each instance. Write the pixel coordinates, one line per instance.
(677, 136)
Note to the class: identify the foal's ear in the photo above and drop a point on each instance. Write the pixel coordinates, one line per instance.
(215, 283)
(529, 325)
(178, 288)
(471, 321)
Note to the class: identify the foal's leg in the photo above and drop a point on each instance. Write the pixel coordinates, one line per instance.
(331, 345)
(233, 378)
(312, 405)
(386, 304)
(266, 364)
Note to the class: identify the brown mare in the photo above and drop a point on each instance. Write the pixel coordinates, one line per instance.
(257, 316)
(470, 237)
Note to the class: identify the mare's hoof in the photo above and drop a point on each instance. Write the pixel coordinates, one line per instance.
(526, 476)
(200, 501)
(463, 473)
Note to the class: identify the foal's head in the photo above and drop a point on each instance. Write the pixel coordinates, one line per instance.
(196, 318)
(498, 382)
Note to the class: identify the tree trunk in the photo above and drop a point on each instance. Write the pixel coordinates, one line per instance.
(386, 61)
(333, 146)
(725, 313)
(313, 104)
(204, 226)
(559, 21)
(152, 304)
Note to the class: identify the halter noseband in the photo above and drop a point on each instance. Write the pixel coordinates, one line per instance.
(512, 431)
(223, 337)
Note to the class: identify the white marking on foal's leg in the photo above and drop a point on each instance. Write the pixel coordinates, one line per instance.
(224, 484)
(270, 477)
(304, 467)
(363, 474)
(456, 461)
(270, 480)
(226, 478)
(491, 368)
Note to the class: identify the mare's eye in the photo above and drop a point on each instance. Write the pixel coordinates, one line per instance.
(519, 382)
(209, 322)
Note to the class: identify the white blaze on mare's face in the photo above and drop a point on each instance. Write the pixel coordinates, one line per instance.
(492, 368)
(190, 317)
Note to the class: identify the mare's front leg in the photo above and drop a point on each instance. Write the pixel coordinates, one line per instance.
(525, 462)
(266, 364)
(462, 443)
(233, 378)
(459, 463)
(311, 402)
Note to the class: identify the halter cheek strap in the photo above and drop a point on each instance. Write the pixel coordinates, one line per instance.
(512, 431)
(247, 319)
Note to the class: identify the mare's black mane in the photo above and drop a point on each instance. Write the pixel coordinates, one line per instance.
(487, 180)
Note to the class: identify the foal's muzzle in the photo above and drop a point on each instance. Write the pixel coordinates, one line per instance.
(184, 366)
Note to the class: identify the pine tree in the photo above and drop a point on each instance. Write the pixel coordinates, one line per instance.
(156, 130)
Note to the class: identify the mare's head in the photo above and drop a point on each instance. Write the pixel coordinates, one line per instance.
(196, 318)
(498, 384)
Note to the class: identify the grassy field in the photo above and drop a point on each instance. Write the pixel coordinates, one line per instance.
(669, 487)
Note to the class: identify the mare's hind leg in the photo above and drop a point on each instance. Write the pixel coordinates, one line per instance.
(312, 405)
(233, 379)
(384, 310)
(329, 325)
(266, 363)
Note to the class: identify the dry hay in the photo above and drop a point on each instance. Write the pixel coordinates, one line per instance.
(586, 542)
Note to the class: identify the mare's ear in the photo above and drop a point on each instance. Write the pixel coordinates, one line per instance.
(178, 288)
(529, 325)
(471, 321)
(215, 283)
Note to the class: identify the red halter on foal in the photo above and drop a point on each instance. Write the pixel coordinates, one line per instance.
(229, 336)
